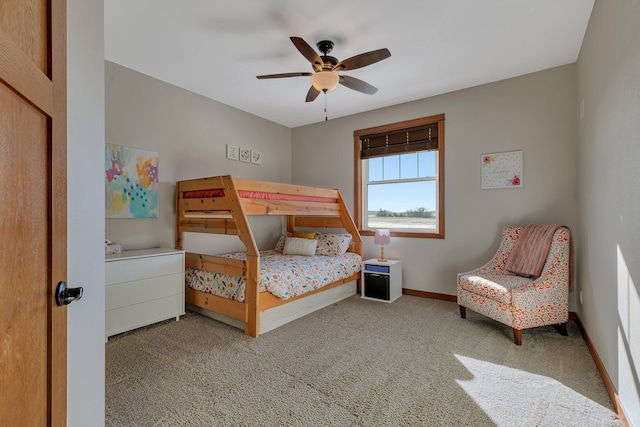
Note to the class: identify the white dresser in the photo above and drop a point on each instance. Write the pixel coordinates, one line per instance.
(143, 287)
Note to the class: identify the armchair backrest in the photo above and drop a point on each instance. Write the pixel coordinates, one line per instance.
(559, 255)
(558, 252)
(509, 236)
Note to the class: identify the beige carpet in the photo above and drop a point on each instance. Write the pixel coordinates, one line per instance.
(355, 363)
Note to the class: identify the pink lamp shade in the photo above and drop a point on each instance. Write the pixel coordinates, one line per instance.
(382, 237)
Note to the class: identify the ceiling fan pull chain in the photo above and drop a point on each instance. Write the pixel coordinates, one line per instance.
(325, 107)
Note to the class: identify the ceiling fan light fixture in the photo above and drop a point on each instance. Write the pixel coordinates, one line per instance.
(325, 81)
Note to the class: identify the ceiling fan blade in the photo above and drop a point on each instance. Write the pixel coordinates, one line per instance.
(279, 76)
(362, 60)
(312, 94)
(357, 84)
(308, 52)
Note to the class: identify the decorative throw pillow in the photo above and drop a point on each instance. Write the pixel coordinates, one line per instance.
(304, 234)
(299, 246)
(332, 244)
(280, 245)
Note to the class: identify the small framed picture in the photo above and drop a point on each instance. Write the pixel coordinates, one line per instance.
(245, 155)
(256, 157)
(502, 170)
(232, 152)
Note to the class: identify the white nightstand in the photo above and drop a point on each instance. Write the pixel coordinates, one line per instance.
(382, 280)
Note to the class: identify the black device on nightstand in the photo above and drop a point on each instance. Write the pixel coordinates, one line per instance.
(377, 286)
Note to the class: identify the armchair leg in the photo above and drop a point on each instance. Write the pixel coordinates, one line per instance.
(463, 312)
(517, 336)
(562, 329)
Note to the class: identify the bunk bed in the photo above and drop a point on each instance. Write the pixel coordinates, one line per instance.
(221, 205)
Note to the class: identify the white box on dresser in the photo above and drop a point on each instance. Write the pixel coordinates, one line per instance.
(143, 287)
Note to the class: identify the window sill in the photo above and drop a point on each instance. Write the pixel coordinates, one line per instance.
(417, 234)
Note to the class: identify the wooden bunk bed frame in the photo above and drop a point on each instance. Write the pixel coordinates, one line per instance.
(227, 214)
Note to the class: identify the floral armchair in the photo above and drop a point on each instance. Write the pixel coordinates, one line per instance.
(517, 301)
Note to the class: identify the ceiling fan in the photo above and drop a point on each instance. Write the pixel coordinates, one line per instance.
(324, 78)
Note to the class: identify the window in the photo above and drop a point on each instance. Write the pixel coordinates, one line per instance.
(399, 175)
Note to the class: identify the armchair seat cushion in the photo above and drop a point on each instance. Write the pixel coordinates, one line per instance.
(494, 286)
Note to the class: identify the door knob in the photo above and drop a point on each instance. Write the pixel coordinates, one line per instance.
(65, 296)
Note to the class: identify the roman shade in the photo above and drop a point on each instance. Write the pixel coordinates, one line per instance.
(403, 141)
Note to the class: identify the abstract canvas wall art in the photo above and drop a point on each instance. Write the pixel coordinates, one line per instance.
(131, 182)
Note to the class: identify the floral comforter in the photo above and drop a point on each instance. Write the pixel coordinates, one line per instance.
(285, 276)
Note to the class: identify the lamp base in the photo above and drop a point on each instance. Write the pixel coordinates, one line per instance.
(382, 258)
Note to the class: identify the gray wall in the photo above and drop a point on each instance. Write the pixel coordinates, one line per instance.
(85, 216)
(535, 113)
(190, 134)
(608, 192)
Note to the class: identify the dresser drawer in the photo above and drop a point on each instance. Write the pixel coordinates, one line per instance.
(129, 293)
(135, 316)
(127, 270)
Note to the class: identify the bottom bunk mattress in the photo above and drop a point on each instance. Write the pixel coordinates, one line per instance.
(285, 276)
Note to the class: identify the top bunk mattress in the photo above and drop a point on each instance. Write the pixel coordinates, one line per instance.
(285, 276)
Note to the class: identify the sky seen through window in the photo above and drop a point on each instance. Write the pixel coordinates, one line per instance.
(398, 195)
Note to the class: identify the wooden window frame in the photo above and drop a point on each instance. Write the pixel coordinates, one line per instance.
(394, 127)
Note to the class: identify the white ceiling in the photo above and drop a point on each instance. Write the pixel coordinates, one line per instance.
(216, 47)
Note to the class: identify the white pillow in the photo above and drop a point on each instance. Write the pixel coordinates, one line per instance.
(299, 246)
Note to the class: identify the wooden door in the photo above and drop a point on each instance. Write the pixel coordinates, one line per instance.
(33, 341)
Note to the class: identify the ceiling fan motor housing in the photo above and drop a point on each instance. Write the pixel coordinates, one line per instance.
(329, 62)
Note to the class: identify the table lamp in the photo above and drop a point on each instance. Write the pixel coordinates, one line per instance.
(382, 237)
